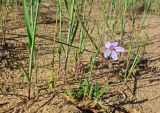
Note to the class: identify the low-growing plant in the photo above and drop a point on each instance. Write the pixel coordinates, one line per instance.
(131, 62)
(87, 96)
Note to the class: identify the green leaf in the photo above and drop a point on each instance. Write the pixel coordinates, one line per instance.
(90, 92)
(103, 91)
(95, 90)
(83, 89)
(27, 22)
(25, 74)
(74, 32)
(66, 4)
(36, 16)
(68, 92)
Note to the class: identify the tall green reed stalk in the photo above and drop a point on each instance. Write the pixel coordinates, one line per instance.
(147, 6)
(82, 10)
(60, 45)
(73, 27)
(31, 23)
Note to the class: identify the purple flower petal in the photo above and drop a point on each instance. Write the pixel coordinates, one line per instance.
(107, 53)
(108, 45)
(114, 55)
(119, 49)
(114, 44)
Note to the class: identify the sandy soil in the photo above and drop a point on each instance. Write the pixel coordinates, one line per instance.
(141, 96)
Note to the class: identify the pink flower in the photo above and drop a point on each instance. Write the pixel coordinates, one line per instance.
(112, 49)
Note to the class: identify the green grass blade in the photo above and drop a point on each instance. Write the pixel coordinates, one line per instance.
(95, 90)
(27, 22)
(66, 4)
(25, 74)
(103, 91)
